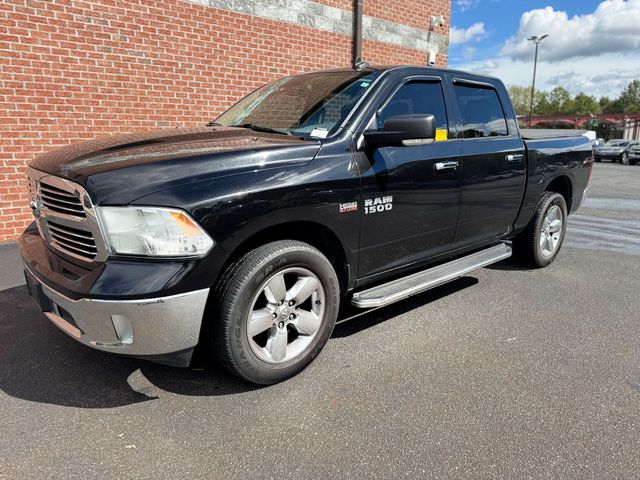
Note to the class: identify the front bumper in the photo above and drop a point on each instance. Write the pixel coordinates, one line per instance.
(164, 329)
(131, 308)
(608, 156)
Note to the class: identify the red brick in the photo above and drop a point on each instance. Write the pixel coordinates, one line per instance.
(74, 70)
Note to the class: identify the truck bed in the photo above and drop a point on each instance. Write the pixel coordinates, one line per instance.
(541, 133)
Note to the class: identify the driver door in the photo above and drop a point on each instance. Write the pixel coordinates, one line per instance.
(410, 194)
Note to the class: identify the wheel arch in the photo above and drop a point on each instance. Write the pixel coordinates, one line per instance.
(315, 234)
(564, 187)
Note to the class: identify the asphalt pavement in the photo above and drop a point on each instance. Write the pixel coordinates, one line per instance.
(506, 373)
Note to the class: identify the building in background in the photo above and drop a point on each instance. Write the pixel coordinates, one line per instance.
(631, 128)
(73, 70)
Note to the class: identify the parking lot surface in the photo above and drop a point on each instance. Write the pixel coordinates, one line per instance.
(507, 373)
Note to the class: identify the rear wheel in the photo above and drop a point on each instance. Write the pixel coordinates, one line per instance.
(540, 243)
(277, 308)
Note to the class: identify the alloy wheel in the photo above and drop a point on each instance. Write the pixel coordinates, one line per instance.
(285, 315)
(551, 232)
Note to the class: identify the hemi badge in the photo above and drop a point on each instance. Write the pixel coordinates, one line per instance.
(348, 207)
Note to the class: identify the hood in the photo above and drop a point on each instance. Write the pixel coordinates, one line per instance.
(610, 148)
(121, 168)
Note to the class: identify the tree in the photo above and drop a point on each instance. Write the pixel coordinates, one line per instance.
(630, 97)
(560, 101)
(585, 105)
(611, 106)
(542, 105)
(521, 98)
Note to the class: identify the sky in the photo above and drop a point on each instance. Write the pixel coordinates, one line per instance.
(593, 45)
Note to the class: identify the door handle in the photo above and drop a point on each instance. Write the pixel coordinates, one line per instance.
(446, 166)
(514, 157)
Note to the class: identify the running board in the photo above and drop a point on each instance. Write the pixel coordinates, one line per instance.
(405, 287)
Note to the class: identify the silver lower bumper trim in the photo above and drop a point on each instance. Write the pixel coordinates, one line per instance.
(145, 327)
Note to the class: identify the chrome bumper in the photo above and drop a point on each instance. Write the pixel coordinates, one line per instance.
(156, 327)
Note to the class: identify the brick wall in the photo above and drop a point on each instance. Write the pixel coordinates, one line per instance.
(75, 70)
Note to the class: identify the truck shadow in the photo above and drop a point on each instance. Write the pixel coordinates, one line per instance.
(352, 320)
(41, 364)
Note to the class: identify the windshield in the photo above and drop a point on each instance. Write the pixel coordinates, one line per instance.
(314, 104)
(616, 143)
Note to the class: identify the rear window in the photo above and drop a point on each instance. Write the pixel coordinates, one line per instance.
(481, 112)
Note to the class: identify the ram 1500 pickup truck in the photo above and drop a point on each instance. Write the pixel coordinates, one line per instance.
(244, 236)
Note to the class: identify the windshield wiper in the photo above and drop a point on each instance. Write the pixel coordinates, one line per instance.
(259, 128)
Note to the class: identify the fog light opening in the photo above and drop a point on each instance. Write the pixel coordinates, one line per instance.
(123, 329)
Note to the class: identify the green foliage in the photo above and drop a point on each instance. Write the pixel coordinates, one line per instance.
(520, 98)
(560, 102)
(630, 98)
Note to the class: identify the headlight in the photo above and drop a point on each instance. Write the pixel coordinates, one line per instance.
(151, 231)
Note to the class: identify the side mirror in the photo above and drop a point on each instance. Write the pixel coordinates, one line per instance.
(403, 130)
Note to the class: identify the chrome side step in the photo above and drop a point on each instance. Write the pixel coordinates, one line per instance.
(402, 288)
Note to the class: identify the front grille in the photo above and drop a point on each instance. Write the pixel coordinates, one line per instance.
(57, 200)
(65, 217)
(74, 241)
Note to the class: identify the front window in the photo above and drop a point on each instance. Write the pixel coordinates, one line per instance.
(616, 143)
(418, 97)
(314, 104)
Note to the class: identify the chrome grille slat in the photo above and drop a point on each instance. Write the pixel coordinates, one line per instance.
(57, 191)
(72, 239)
(61, 201)
(66, 202)
(73, 250)
(62, 238)
(59, 209)
(83, 235)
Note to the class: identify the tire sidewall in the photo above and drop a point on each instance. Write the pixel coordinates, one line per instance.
(251, 278)
(548, 201)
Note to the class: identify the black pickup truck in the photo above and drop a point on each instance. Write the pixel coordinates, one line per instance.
(361, 186)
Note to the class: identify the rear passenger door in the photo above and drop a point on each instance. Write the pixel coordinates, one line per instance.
(493, 164)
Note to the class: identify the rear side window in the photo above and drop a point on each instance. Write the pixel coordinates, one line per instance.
(481, 112)
(416, 97)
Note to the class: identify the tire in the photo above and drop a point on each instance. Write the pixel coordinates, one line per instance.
(285, 337)
(624, 159)
(529, 245)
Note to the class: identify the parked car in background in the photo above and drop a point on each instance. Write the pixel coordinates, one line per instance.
(614, 150)
(634, 153)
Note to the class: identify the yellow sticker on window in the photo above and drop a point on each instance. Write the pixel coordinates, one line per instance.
(441, 134)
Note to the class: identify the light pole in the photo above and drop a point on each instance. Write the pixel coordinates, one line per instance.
(535, 39)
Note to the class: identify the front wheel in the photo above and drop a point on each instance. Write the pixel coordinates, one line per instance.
(540, 243)
(624, 159)
(277, 307)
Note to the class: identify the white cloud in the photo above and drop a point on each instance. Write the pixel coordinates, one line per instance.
(614, 27)
(465, 35)
(604, 75)
(469, 53)
(597, 53)
(464, 5)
